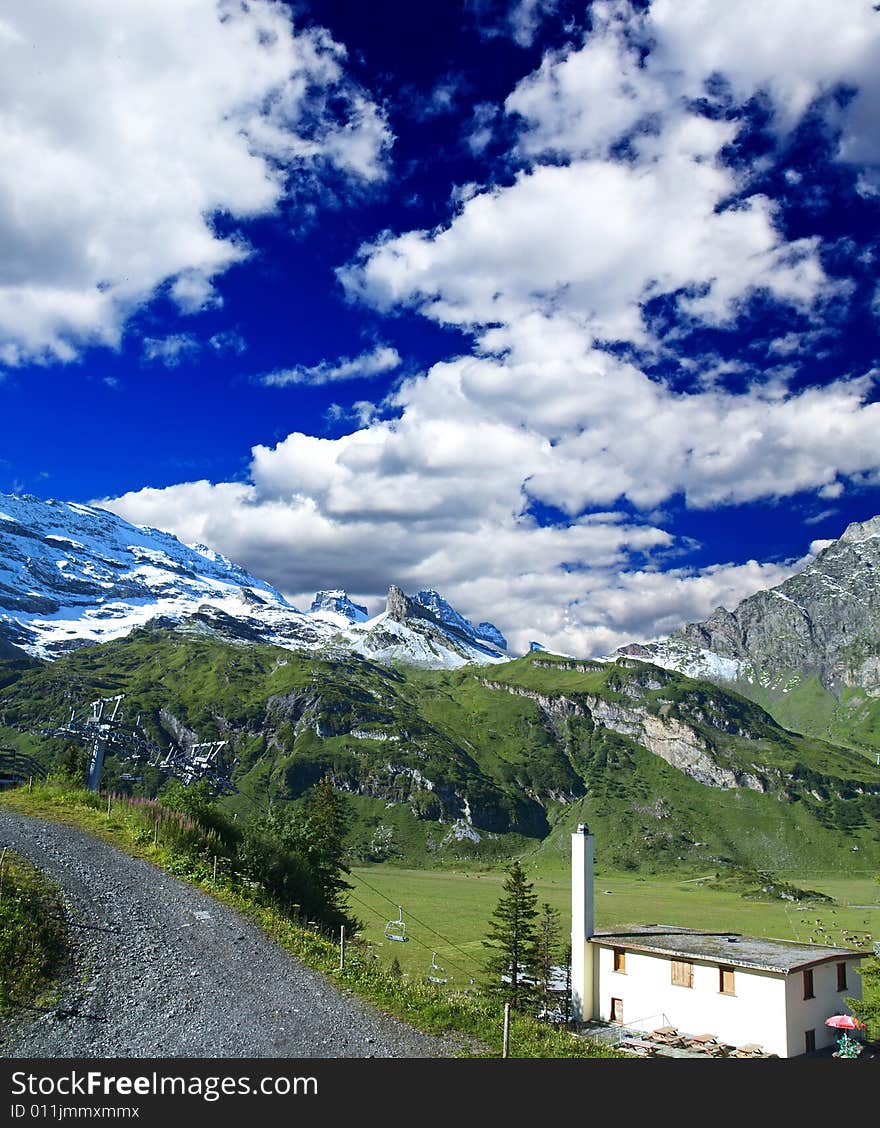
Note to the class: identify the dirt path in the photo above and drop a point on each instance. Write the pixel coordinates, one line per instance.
(162, 970)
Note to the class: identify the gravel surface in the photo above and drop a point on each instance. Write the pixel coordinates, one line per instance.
(162, 970)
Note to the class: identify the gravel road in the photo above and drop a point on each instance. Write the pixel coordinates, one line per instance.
(162, 970)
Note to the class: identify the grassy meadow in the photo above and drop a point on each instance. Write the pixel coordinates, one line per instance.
(448, 911)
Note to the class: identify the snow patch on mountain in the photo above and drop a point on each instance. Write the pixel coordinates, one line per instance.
(73, 575)
(446, 613)
(337, 603)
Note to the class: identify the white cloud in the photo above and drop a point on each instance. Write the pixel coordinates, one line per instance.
(509, 570)
(228, 340)
(480, 129)
(441, 496)
(125, 127)
(179, 347)
(541, 271)
(526, 16)
(375, 362)
(170, 350)
(518, 20)
(639, 64)
(793, 50)
(578, 102)
(596, 239)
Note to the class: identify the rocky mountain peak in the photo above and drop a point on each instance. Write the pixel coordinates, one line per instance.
(822, 622)
(337, 601)
(75, 575)
(860, 531)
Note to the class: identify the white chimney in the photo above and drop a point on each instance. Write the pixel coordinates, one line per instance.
(581, 924)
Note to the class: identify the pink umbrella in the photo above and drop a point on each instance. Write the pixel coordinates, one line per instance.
(843, 1022)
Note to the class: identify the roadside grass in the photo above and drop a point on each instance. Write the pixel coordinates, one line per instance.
(187, 850)
(33, 934)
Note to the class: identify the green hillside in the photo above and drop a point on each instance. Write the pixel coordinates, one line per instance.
(850, 718)
(481, 763)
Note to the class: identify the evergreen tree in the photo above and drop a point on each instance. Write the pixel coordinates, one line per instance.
(326, 828)
(313, 841)
(73, 764)
(548, 951)
(512, 942)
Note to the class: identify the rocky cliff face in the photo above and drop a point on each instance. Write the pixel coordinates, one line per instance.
(825, 621)
(671, 738)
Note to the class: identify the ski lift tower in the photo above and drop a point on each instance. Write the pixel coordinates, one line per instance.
(102, 725)
(104, 730)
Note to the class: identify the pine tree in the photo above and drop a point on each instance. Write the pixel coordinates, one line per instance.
(512, 942)
(548, 953)
(327, 821)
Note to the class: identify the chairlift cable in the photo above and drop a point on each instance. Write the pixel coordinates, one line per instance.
(375, 913)
(412, 915)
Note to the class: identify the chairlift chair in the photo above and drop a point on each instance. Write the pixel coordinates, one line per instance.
(396, 929)
(436, 973)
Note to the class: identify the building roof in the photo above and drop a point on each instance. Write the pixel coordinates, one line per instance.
(729, 948)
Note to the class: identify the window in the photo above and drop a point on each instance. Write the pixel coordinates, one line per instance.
(725, 981)
(682, 973)
(808, 984)
(841, 977)
(620, 960)
(809, 1041)
(617, 1010)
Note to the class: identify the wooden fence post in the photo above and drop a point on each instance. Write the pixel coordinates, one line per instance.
(506, 1046)
(341, 947)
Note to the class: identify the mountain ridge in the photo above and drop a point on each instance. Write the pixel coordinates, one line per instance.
(73, 575)
(807, 649)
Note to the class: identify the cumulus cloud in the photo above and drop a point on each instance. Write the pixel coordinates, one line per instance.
(125, 127)
(641, 63)
(622, 195)
(511, 569)
(794, 51)
(596, 239)
(444, 495)
(375, 362)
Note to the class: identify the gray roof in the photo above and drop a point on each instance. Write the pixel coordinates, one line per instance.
(723, 947)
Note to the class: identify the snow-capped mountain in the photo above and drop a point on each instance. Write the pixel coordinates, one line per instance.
(446, 613)
(74, 575)
(823, 622)
(337, 603)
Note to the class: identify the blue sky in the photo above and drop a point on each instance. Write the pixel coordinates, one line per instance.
(567, 310)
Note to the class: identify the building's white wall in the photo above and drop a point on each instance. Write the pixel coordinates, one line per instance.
(755, 1013)
(810, 1014)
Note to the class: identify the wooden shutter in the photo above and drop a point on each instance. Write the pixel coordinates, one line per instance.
(808, 984)
(619, 960)
(682, 973)
(725, 981)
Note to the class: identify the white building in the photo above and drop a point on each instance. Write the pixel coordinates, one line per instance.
(742, 989)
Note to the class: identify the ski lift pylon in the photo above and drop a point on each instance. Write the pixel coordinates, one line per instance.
(396, 929)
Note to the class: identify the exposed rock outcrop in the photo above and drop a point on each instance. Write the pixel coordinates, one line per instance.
(673, 740)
